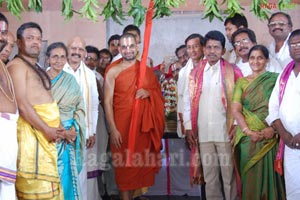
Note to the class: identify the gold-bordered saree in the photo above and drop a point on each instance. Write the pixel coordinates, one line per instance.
(255, 160)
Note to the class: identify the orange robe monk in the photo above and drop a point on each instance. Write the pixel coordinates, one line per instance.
(146, 160)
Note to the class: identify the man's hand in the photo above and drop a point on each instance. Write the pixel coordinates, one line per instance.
(90, 142)
(142, 94)
(116, 139)
(54, 134)
(268, 132)
(191, 139)
(296, 141)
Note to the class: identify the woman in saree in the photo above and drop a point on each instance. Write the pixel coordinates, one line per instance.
(69, 99)
(255, 143)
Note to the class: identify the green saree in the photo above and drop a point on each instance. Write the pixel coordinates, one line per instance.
(255, 160)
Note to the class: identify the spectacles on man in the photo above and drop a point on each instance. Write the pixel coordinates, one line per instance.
(240, 42)
(275, 23)
(3, 32)
(89, 58)
(295, 45)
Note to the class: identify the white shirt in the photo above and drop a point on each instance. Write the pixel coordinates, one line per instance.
(244, 67)
(211, 120)
(283, 56)
(289, 111)
(182, 90)
(84, 76)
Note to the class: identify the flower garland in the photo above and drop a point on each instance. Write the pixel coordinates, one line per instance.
(169, 90)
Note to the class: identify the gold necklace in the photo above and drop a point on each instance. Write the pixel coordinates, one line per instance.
(8, 85)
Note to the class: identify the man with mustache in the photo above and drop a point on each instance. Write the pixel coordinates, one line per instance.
(210, 120)
(5, 53)
(87, 81)
(8, 119)
(243, 40)
(38, 124)
(280, 25)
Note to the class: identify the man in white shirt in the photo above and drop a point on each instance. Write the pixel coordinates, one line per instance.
(284, 115)
(195, 53)
(242, 41)
(87, 82)
(280, 25)
(210, 121)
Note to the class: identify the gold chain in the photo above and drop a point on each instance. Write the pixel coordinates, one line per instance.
(8, 85)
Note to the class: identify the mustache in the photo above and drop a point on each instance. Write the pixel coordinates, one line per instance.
(76, 54)
(243, 48)
(277, 29)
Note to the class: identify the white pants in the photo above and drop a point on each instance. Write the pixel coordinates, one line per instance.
(291, 173)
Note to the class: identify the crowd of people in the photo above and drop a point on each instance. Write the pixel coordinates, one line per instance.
(88, 125)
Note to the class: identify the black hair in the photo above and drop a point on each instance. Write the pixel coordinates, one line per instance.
(92, 49)
(178, 48)
(131, 27)
(193, 36)
(294, 33)
(3, 18)
(284, 14)
(215, 35)
(261, 48)
(25, 26)
(105, 51)
(113, 37)
(249, 32)
(238, 20)
(56, 45)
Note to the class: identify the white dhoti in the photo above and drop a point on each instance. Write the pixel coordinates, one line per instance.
(291, 173)
(8, 155)
(93, 162)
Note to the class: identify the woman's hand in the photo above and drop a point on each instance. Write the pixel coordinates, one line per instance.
(255, 136)
(70, 135)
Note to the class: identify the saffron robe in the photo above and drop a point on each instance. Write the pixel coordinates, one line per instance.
(37, 174)
(146, 155)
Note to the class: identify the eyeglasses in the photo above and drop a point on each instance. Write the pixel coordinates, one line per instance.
(3, 32)
(89, 58)
(295, 45)
(243, 41)
(275, 23)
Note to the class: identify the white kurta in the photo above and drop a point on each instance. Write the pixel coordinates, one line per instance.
(87, 81)
(283, 56)
(182, 90)
(289, 114)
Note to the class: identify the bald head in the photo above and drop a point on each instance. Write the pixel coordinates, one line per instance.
(76, 48)
(5, 53)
